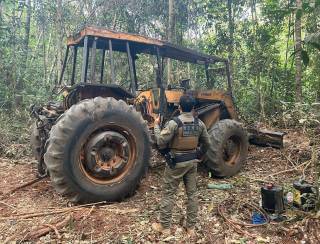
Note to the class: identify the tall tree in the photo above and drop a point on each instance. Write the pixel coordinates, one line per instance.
(26, 40)
(231, 33)
(59, 28)
(1, 6)
(298, 49)
(257, 58)
(171, 35)
(27, 29)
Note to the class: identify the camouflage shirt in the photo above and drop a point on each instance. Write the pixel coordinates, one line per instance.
(164, 136)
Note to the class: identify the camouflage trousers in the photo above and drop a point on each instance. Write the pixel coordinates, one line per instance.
(172, 178)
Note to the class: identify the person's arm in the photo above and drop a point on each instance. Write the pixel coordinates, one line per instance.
(204, 138)
(164, 136)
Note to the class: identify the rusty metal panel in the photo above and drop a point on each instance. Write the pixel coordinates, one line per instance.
(218, 96)
(173, 96)
(142, 44)
(106, 33)
(211, 117)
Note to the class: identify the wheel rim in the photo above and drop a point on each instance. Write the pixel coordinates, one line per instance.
(108, 155)
(231, 150)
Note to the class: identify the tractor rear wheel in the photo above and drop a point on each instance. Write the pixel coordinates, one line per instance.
(229, 148)
(98, 151)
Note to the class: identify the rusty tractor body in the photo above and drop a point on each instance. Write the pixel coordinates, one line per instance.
(95, 144)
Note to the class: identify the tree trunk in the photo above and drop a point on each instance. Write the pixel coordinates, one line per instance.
(298, 49)
(231, 33)
(27, 30)
(288, 83)
(130, 22)
(1, 9)
(24, 64)
(171, 32)
(14, 45)
(259, 90)
(44, 56)
(59, 38)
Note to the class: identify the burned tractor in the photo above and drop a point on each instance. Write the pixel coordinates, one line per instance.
(96, 143)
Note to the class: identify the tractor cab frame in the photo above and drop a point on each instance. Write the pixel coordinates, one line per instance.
(96, 42)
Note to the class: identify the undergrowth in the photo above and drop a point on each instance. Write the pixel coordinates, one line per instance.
(14, 133)
(15, 125)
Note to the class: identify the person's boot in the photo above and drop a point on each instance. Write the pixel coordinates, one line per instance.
(191, 232)
(159, 228)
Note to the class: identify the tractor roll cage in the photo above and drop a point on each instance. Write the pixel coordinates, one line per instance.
(132, 44)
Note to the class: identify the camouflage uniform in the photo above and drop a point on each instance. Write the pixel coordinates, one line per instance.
(186, 171)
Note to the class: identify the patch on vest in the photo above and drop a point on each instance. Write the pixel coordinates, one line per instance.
(190, 129)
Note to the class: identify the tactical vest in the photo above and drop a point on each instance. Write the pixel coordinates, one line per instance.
(187, 137)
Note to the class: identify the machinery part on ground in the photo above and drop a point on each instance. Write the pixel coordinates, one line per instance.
(98, 150)
(229, 148)
(266, 138)
(35, 141)
(45, 116)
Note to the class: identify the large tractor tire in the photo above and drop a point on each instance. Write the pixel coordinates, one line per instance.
(229, 148)
(35, 142)
(98, 151)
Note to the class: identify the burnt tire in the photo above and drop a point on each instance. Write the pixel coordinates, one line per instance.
(67, 160)
(229, 148)
(35, 142)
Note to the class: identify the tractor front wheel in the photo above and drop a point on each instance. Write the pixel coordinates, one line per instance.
(229, 148)
(98, 151)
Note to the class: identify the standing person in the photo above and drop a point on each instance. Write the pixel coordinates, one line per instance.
(181, 136)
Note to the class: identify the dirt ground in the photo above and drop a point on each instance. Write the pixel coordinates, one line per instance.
(36, 209)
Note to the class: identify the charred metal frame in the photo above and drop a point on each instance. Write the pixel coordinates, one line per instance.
(111, 62)
(93, 61)
(159, 80)
(132, 70)
(166, 50)
(74, 64)
(64, 64)
(160, 70)
(85, 60)
(103, 53)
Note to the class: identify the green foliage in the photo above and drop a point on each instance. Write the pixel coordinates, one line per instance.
(298, 115)
(260, 46)
(14, 133)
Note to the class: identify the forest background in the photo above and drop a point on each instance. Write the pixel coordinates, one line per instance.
(273, 47)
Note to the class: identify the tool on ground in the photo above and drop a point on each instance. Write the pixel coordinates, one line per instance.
(303, 195)
(258, 218)
(223, 186)
(272, 198)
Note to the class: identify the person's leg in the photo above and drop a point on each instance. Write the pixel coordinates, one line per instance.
(190, 182)
(171, 184)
